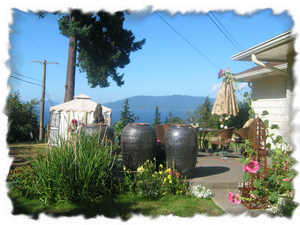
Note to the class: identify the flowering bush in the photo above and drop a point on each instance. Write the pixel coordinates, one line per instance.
(200, 191)
(276, 185)
(153, 183)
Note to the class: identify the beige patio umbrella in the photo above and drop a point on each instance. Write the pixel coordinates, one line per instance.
(226, 103)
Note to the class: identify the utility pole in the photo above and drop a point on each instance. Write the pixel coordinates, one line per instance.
(42, 105)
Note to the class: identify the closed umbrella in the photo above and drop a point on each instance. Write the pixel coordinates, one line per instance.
(226, 103)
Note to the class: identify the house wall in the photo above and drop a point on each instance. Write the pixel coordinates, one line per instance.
(270, 94)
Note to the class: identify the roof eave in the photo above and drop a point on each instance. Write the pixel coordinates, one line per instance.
(271, 43)
(249, 76)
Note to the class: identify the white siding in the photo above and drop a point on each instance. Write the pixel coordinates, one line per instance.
(269, 94)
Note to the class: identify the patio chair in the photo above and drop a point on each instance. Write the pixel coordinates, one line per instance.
(243, 133)
(223, 140)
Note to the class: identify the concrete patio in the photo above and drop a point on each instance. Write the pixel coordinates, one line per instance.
(221, 175)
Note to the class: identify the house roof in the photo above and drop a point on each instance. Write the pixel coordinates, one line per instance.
(80, 103)
(258, 71)
(272, 50)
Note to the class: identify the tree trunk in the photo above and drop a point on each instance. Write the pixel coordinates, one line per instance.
(70, 79)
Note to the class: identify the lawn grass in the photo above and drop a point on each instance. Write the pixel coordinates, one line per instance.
(125, 206)
(23, 153)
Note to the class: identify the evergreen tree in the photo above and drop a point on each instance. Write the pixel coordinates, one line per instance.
(102, 45)
(126, 115)
(157, 116)
(173, 119)
(22, 118)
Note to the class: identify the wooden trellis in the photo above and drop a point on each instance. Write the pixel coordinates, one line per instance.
(257, 138)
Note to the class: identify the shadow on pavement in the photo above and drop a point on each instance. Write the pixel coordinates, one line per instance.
(208, 171)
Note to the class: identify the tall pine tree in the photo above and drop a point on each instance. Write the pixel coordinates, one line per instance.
(102, 46)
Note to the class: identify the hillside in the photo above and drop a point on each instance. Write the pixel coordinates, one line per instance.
(144, 106)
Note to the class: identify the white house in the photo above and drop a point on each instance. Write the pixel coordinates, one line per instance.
(271, 80)
(80, 110)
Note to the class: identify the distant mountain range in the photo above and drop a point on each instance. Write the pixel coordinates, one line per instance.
(144, 106)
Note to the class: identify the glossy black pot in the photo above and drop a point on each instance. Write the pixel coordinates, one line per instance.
(180, 143)
(138, 142)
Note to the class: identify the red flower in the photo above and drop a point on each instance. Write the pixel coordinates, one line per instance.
(177, 174)
(171, 172)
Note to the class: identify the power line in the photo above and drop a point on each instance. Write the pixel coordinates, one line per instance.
(226, 30)
(223, 30)
(29, 82)
(28, 77)
(188, 42)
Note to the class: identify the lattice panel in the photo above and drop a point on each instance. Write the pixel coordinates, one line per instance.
(257, 138)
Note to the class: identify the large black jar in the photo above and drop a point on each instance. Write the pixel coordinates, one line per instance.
(181, 148)
(137, 144)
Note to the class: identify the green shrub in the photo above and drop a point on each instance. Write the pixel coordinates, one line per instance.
(79, 170)
(152, 183)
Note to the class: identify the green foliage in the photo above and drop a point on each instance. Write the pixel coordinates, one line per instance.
(277, 184)
(80, 170)
(103, 44)
(152, 183)
(157, 116)
(170, 119)
(242, 116)
(202, 115)
(22, 118)
(126, 117)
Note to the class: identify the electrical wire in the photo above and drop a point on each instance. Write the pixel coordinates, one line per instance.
(29, 82)
(188, 42)
(223, 30)
(226, 30)
(31, 78)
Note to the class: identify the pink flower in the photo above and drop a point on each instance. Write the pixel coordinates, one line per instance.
(251, 167)
(230, 196)
(171, 172)
(234, 198)
(220, 74)
(286, 179)
(252, 196)
(237, 199)
(177, 174)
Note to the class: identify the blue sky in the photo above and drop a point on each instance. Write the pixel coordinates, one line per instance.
(184, 59)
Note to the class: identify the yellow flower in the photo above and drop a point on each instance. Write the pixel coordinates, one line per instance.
(160, 165)
(160, 172)
(140, 169)
(170, 181)
(167, 170)
(124, 168)
(165, 180)
(169, 177)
